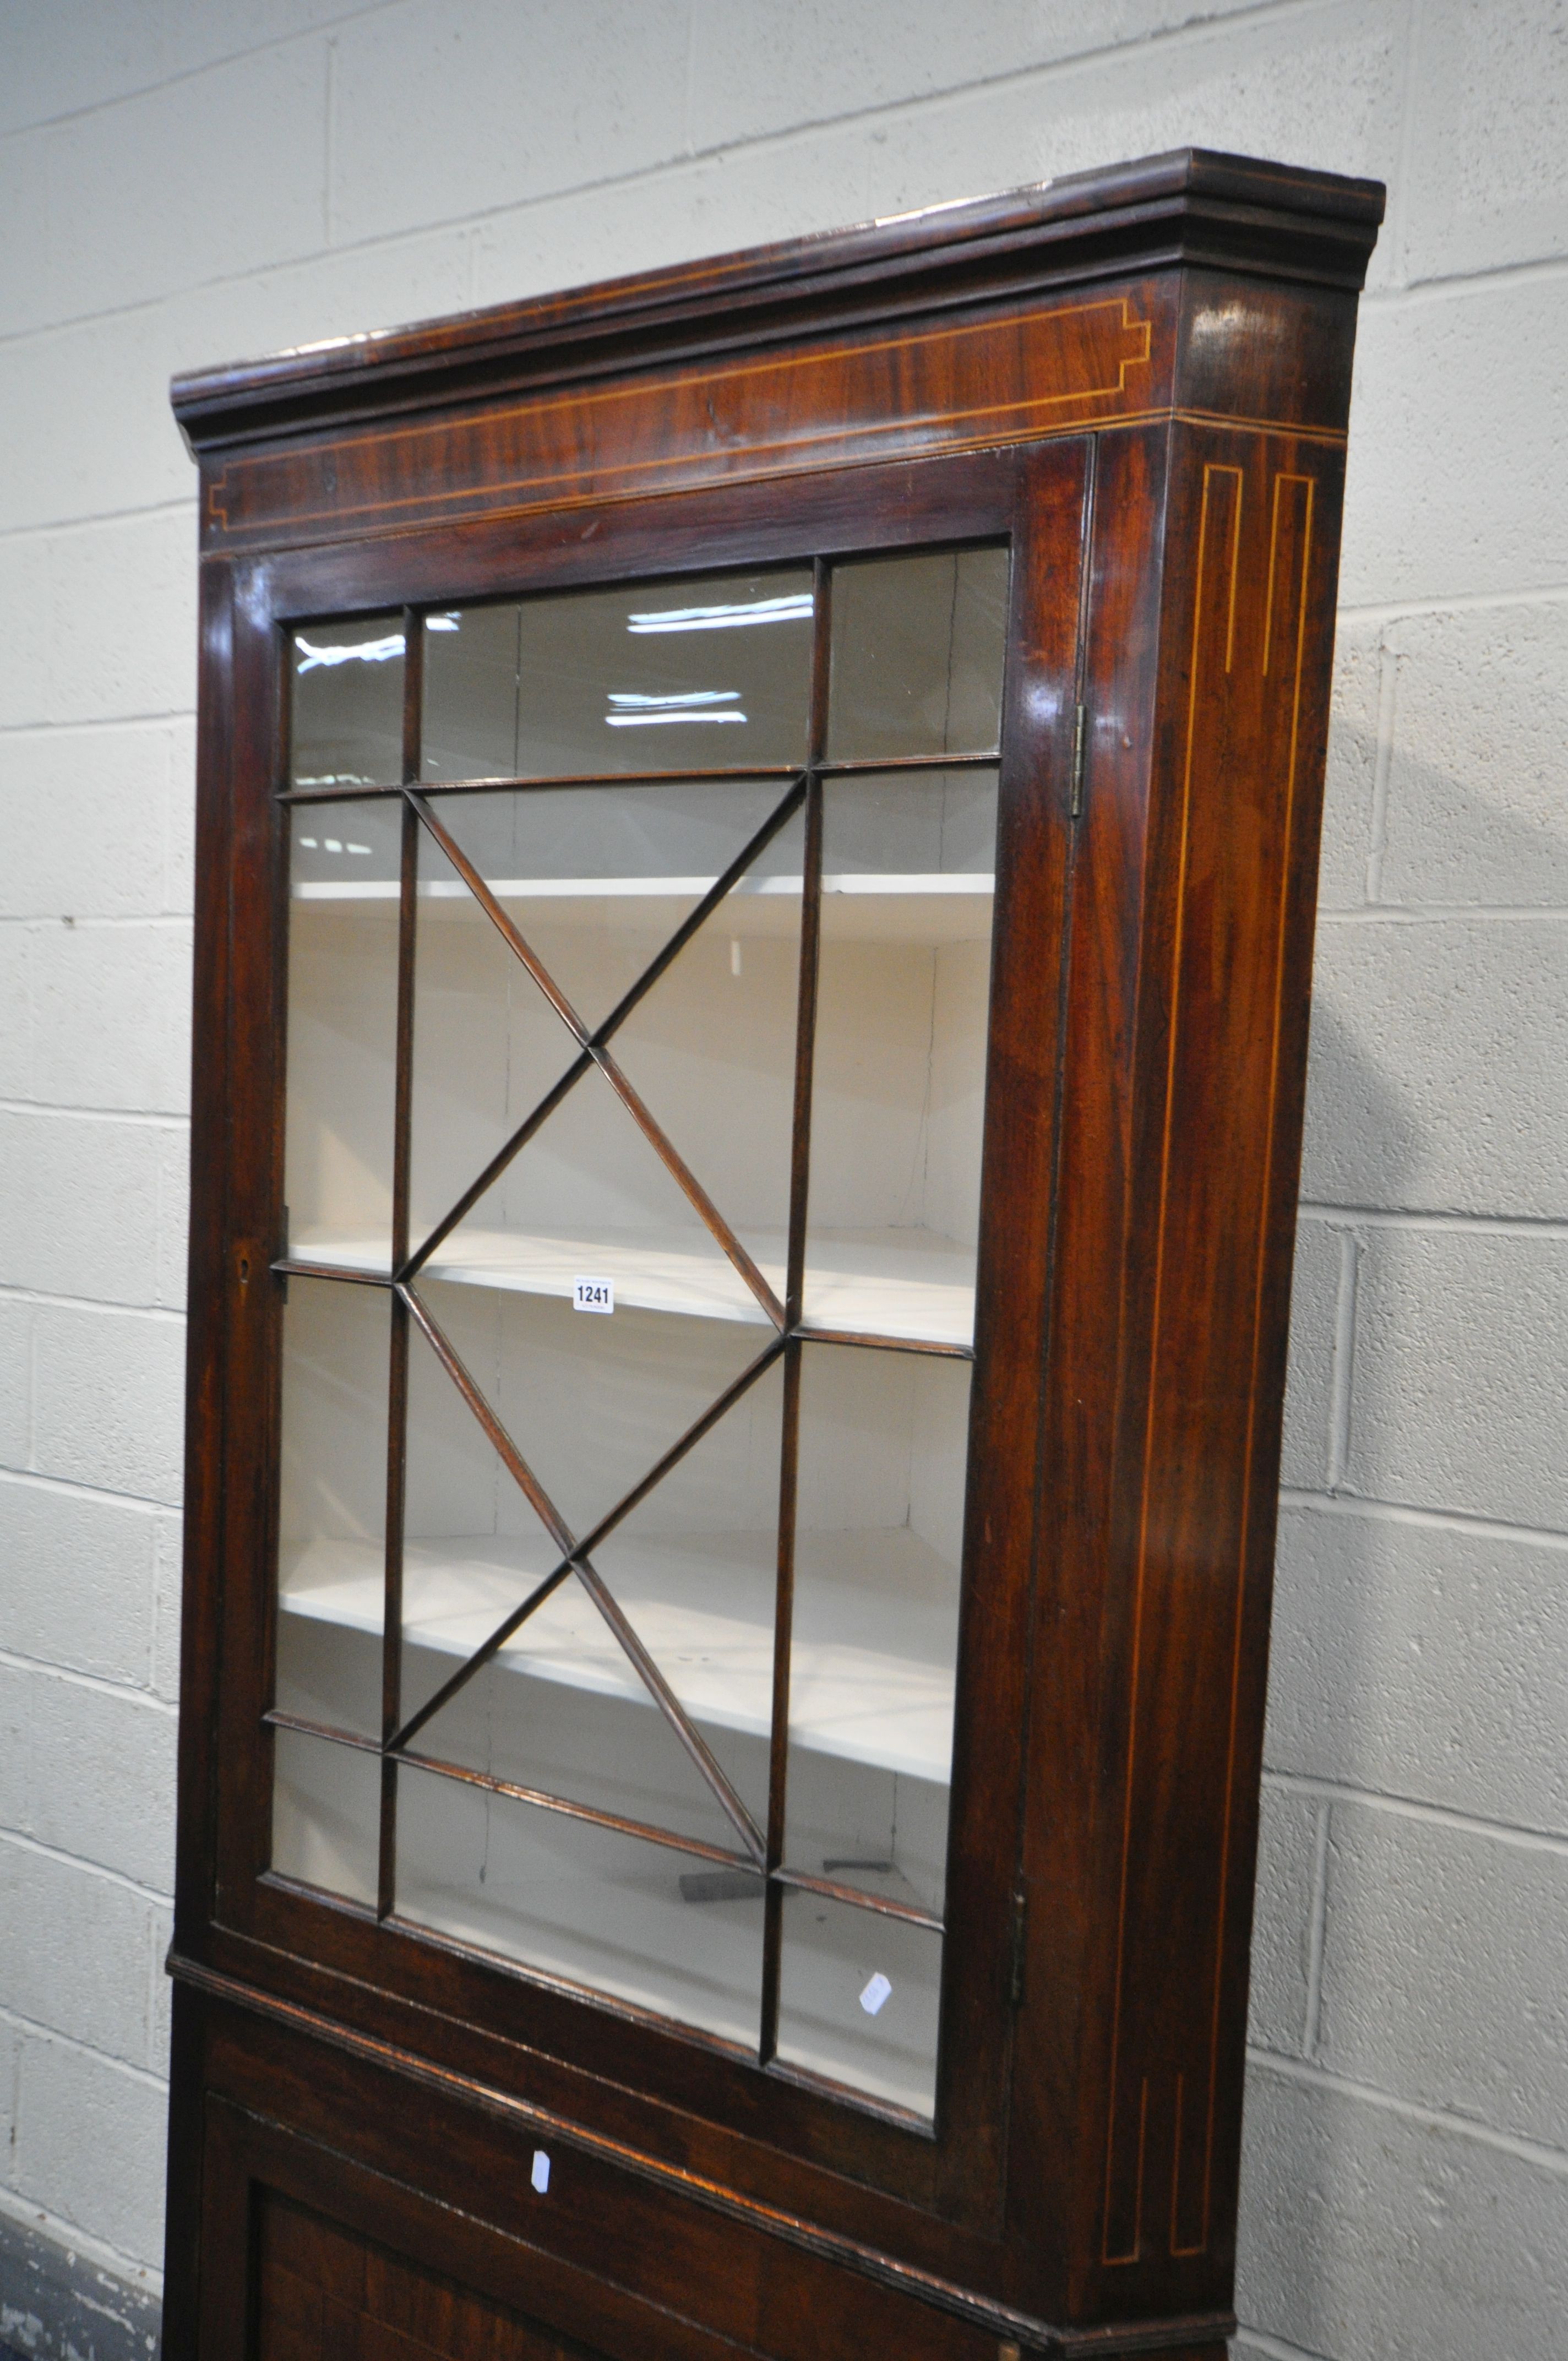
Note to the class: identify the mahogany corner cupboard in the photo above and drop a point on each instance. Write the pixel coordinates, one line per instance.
(757, 840)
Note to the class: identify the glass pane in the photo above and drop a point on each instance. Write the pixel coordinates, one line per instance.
(473, 1546)
(592, 1403)
(343, 1031)
(695, 1566)
(560, 1713)
(859, 1999)
(326, 1815)
(470, 694)
(348, 704)
(917, 654)
(332, 1515)
(589, 1198)
(711, 1050)
(879, 1542)
(486, 1043)
(898, 1098)
(583, 1903)
(562, 1709)
(597, 881)
(651, 676)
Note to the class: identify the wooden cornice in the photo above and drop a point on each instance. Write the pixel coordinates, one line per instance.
(1191, 207)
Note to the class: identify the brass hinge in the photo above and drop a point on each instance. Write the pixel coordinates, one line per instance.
(1080, 732)
(1020, 1924)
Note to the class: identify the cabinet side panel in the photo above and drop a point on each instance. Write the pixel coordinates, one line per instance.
(204, 1423)
(183, 2215)
(1220, 1066)
(256, 1044)
(202, 1596)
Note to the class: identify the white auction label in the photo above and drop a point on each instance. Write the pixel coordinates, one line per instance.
(875, 1993)
(541, 2173)
(593, 1295)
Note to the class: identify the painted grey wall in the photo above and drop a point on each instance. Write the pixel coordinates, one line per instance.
(186, 182)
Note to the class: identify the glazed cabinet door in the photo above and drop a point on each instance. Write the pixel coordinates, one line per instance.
(664, 959)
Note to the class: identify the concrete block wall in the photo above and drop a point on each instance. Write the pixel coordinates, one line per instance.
(183, 184)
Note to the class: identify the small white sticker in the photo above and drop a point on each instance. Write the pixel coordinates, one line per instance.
(593, 1295)
(541, 2175)
(875, 1993)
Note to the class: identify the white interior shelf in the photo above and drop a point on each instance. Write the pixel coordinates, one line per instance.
(682, 889)
(909, 1284)
(939, 906)
(871, 1660)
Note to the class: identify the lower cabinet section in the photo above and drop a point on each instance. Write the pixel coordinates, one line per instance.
(305, 2253)
(325, 2208)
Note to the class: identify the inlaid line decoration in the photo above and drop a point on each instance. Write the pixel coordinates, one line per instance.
(1212, 535)
(1101, 340)
(1304, 491)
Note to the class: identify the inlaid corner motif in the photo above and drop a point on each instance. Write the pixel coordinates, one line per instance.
(1020, 377)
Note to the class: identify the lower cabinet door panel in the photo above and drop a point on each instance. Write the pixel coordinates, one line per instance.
(305, 2255)
(324, 2294)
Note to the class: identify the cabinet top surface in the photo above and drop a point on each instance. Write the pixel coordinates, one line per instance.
(1192, 206)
